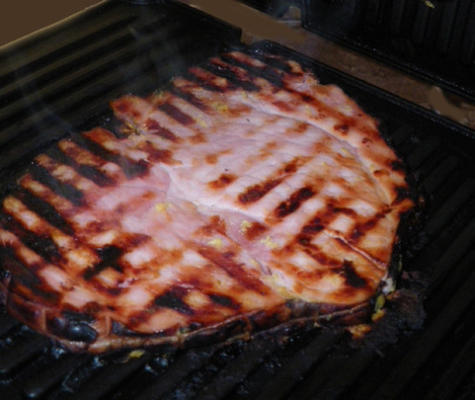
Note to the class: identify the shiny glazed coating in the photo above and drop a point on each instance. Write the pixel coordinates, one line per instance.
(244, 196)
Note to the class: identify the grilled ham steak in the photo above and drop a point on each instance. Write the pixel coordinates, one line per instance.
(244, 196)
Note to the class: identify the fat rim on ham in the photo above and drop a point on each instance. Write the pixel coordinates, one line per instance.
(244, 196)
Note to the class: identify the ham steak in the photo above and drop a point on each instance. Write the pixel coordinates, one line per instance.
(243, 196)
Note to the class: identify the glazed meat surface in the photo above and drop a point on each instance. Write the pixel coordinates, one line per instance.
(243, 196)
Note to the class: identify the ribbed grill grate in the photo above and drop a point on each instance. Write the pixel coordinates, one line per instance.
(435, 40)
(124, 48)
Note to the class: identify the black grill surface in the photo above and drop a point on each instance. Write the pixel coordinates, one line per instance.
(433, 39)
(61, 82)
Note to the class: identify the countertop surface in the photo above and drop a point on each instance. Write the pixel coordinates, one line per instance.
(23, 17)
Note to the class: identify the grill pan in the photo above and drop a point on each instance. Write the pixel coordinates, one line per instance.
(60, 82)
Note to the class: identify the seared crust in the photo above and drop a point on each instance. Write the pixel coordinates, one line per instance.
(244, 197)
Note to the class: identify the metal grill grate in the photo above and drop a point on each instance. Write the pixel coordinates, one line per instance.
(120, 43)
(434, 40)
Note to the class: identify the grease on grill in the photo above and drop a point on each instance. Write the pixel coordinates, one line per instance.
(72, 327)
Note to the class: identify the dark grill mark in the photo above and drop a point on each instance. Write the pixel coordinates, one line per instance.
(216, 224)
(130, 168)
(315, 252)
(176, 114)
(189, 97)
(109, 257)
(275, 77)
(292, 166)
(224, 301)
(23, 311)
(44, 210)
(120, 329)
(324, 218)
(86, 171)
(282, 106)
(232, 76)
(223, 181)
(402, 193)
(315, 225)
(256, 229)
(265, 71)
(343, 210)
(298, 128)
(204, 83)
(256, 192)
(155, 128)
(62, 189)
(157, 155)
(361, 229)
(125, 106)
(22, 279)
(276, 63)
(40, 244)
(351, 277)
(173, 299)
(233, 269)
(18, 271)
(294, 202)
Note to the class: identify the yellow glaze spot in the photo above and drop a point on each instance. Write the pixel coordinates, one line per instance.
(358, 331)
(379, 303)
(269, 243)
(162, 207)
(345, 152)
(201, 123)
(254, 263)
(221, 107)
(136, 354)
(245, 225)
(346, 109)
(159, 96)
(217, 243)
(378, 315)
